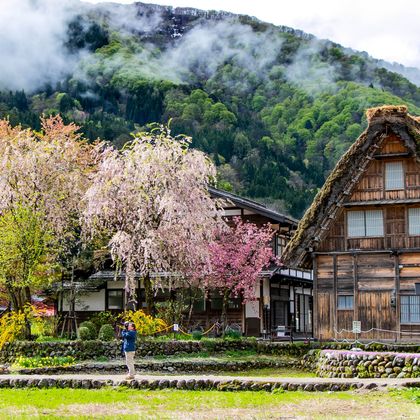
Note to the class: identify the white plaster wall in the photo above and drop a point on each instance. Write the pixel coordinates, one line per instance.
(252, 309)
(94, 301)
(115, 284)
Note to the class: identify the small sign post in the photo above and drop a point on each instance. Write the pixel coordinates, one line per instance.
(357, 328)
(175, 329)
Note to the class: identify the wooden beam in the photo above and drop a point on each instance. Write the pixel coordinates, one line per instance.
(355, 289)
(315, 329)
(397, 295)
(335, 323)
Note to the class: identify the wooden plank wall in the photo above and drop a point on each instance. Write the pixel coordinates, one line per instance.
(372, 280)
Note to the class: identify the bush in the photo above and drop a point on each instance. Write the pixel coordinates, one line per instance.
(92, 329)
(36, 362)
(197, 335)
(84, 333)
(102, 318)
(232, 334)
(106, 333)
(145, 324)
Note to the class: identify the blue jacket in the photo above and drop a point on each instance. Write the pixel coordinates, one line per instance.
(129, 338)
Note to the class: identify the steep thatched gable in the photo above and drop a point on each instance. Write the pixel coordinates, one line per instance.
(343, 179)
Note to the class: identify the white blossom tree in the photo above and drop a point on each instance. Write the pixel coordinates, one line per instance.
(151, 198)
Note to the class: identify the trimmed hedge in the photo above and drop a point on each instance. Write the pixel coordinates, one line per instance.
(106, 333)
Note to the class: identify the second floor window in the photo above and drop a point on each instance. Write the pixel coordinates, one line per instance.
(365, 223)
(414, 221)
(394, 176)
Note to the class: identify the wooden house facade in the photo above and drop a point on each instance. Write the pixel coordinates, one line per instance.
(361, 236)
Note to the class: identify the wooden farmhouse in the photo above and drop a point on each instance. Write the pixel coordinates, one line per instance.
(361, 236)
(283, 298)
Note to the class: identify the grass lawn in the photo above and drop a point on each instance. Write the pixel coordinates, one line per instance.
(172, 404)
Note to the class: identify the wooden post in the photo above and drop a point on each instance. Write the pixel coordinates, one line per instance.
(397, 295)
(314, 299)
(356, 291)
(335, 323)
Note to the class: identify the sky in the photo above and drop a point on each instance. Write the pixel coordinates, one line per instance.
(384, 29)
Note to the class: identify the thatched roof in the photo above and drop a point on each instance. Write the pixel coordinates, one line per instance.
(342, 180)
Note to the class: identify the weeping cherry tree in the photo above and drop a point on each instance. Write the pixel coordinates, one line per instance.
(151, 199)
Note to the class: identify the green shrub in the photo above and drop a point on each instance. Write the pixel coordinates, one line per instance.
(102, 318)
(84, 333)
(197, 335)
(106, 333)
(92, 329)
(231, 334)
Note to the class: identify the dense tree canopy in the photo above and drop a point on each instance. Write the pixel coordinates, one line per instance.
(274, 108)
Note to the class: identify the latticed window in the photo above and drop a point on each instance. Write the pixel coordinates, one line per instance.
(345, 302)
(414, 221)
(394, 176)
(115, 299)
(365, 223)
(410, 309)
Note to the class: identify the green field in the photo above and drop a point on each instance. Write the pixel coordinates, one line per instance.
(111, 403)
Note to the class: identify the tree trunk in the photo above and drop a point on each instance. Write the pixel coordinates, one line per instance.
(148, 290)
(224, 309)
(20, 297)
(27, 301)
(190, 308)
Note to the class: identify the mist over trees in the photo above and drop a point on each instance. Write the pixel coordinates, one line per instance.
(274, 108)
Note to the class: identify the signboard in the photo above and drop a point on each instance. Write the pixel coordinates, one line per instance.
(357, 327)
(176, 327)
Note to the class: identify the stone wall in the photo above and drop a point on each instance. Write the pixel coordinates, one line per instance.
(364, 364)
(164, 366)
(90, 350)
(185, 384)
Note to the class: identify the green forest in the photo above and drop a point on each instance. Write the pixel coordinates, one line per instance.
(274, 108)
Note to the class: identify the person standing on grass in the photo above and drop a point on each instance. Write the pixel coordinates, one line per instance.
(129, 335)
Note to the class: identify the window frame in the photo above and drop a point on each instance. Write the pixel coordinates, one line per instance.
(108, 291)
(408, 221)
(364, 211)
(402, 305)
(339, 308)
(402, 174)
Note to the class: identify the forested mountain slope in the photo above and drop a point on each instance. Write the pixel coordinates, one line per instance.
(274, 107)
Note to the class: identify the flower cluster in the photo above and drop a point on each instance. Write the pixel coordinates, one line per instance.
(37, 362)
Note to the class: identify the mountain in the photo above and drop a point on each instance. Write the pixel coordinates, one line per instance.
(274, 107)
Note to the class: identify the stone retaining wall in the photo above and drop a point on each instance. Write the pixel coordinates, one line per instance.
(194, 366)
(90, 350)
(187, 384)
(362, 364)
